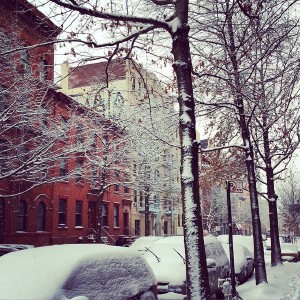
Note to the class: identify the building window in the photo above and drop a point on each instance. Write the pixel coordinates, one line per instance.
(178, 219)
(41, 217)
(64, 125)
(134, 171)
(44, 117)
(137, 227)
(141, 199)
(166, 225)
(133, 83)
(78, 213)
(135, 196)
(25, 63)
(62, 212)
(126, 189)
(43, 69)
(105, 215)
(79, 135)
(4, 163)
(3, 99)
(22, 217)
(79, 170)
(116, 216)
(63, 166)
(116, 186)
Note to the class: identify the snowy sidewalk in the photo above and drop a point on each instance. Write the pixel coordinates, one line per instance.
(283, 284)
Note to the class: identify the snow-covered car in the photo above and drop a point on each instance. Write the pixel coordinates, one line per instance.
(245, 240)
(243, 262)
(81, 271)
(5, 249)
(142, 243)
(167, 259)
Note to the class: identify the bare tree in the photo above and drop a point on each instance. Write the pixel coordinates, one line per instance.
(156, 18)
(238, 45)
(289, 203)
(32, 135)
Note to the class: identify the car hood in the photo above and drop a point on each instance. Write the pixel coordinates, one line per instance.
(174, 274)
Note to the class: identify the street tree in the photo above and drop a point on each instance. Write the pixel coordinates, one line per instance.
(165, 20)
(289, 202)
(238, 45)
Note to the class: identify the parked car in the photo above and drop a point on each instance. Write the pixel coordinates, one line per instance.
(142, 243)
(7, 248)
(4, 249)
(85, 271)
(243, 262)
(245, 240)
(167, 259)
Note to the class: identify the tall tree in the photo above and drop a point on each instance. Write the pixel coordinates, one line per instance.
(256, 40)
(226, 32)
(289, 202)
(170, 17)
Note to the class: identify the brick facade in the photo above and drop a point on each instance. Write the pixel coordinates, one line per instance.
(54, 212)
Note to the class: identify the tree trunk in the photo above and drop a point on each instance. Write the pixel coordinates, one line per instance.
(259, 259)
(273, 217)
(197, 275)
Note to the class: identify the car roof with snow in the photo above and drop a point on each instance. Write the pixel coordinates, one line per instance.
(66, 271)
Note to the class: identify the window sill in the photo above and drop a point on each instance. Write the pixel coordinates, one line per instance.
(79, 227)
(116, 227)
(62, 227)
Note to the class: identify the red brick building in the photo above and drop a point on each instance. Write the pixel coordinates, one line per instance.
(52, 212)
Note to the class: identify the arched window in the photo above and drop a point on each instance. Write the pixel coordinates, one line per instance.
(41, 217)
(22, 216)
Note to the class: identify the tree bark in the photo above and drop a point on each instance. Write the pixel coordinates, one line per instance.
(273, 217)
(197, 275)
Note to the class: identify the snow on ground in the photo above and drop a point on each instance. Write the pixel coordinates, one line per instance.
(283, 283)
